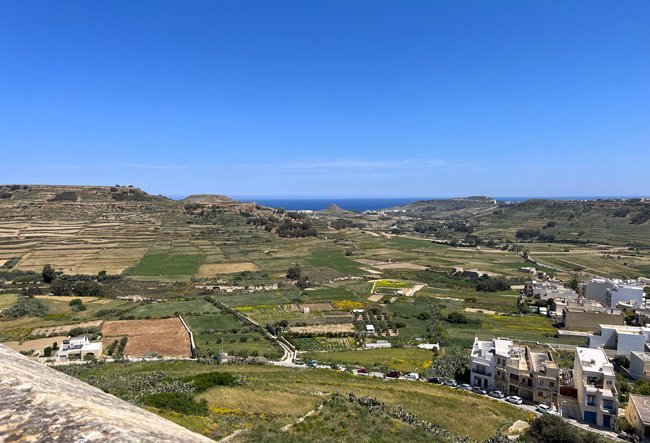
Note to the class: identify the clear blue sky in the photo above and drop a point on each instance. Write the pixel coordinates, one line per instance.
(328, 98)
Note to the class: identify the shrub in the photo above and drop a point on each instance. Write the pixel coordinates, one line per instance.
(552, 429)
(207, 380)
(47, 352)
(26, 306)
(177, 402)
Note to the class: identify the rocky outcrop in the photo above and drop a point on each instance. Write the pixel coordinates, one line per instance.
(38, 403)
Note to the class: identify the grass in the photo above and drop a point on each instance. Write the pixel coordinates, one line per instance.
(165, 265)
(335, 259)
(7, 300)
(401, 359)
(255, 403)
(340, 420)
(165, 309)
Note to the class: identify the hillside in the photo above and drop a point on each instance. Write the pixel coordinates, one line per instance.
(616, 222)
(451, 207)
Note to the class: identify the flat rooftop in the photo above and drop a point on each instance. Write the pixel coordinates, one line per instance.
(593, 359)
(642, 405)
(644, 356)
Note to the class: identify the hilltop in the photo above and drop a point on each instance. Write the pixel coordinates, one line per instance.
(207, 199)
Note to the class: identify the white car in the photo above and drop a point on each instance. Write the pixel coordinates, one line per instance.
(412, 376)
(544, 409)
(496, 394)
(465, 387)
(514, 400)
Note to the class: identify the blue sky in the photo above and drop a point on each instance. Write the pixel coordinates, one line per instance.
(331, 98)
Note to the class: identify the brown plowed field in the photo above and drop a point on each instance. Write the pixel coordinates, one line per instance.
(166, 336)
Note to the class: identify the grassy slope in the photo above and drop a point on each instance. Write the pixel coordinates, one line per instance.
(273, 397)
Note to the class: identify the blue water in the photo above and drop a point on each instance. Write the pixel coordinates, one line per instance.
(363, 204)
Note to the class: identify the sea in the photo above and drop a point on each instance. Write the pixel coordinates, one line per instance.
(362, 204)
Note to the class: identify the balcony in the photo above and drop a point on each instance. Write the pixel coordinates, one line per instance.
(482, 372)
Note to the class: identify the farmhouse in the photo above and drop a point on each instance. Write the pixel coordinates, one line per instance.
(76, 348)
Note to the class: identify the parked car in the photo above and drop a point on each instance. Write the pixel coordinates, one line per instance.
(435, 380)
(451, 383)
(628, 437)
(544, 409)
(496, 394)
(479, 390)
(393, 374)
(412, 376)
(514, 400)
(465, 387)
(362, 371)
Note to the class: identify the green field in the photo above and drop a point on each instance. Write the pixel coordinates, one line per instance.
(165, 265)
(401, 359)
(335, 259)
(172, 307)
(218, 330)
(7, 300)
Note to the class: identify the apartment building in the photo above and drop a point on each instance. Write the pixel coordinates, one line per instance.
(620, 340)
(515, 370)
(595, 382)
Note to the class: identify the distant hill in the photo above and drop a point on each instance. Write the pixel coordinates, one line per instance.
(619, 222)
(74, 193)
(335, 209)
(441, 208)
(207, 199)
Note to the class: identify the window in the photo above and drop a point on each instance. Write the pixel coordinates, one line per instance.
(608, 404)
(591, 400)
(552, 384)
(609, 382)
(540, 394)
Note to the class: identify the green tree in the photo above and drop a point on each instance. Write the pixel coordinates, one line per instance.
(574, 283)
(48, 274)
(454, 362)
(294, 272)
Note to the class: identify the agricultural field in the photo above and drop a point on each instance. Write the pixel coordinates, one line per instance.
(401, 359)
(167, 337)
(222, 330)
(173, 307)
(167, 266)
(323, 343)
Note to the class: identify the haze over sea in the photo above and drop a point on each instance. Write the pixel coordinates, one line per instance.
(366, 203)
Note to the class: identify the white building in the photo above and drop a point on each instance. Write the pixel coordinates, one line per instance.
(595, 381)
(611, 291)
(484, 361)
(620, 340)
(76, 348)
(596, 289)
(640, 365)
(624, 293)
(515, 370)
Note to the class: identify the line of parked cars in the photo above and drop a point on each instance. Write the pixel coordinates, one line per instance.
(514, 399)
